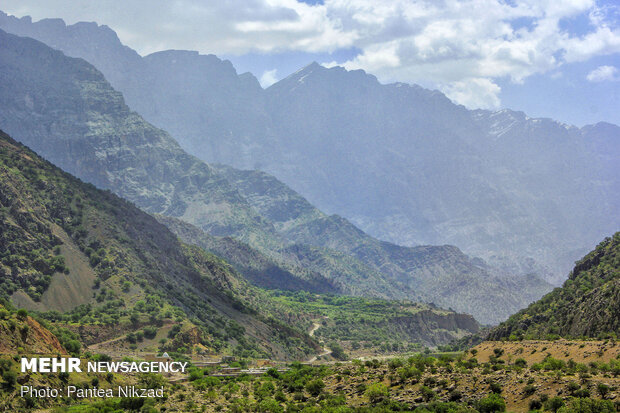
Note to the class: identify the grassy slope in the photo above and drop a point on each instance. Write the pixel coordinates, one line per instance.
(375, 322)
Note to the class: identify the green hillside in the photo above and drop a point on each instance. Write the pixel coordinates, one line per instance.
(588, 304)
(66, 245)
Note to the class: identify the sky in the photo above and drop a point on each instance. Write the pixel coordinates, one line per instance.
(548, 58)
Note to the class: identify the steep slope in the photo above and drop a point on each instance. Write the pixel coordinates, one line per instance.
(51, 220)
(401, 162)
(587, 304)
(20, 332)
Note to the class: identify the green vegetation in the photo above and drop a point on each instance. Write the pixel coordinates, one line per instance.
(386, 326)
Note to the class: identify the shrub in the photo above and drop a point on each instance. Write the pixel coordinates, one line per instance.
(73, 346)
(603, 389)
(377, 392)
(455, 396)
(535, 404)
(582, 393)
(495, 387)
(427, 393)
(587, 405)
(150, 332)
(529, 390)
(10, 378)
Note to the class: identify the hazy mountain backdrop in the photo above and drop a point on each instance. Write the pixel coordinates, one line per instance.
(401, 162)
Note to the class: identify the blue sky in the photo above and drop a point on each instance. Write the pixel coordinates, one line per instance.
(548, 58)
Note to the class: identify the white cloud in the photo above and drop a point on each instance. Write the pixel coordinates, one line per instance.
(603, 73)
(268, 78)
(444, 44)
(474, 93)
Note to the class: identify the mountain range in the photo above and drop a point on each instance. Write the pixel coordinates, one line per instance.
(64, 109)
(400, 162)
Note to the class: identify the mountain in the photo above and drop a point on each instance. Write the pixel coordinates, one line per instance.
(401, 162)
(69, 247)
(587, 305)
(204, 88)
(406, 164)
(65, 109)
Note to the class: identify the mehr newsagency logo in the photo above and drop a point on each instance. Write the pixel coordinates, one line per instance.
(69, 365)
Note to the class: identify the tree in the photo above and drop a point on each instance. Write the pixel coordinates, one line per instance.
(10, 378)
(603, 389)
(427, 393)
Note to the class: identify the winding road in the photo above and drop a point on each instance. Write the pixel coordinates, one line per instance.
(326, 351)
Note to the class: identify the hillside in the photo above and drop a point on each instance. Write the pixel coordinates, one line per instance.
(71, 248)
(65, 110)
(587, 305)
(388, 157)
